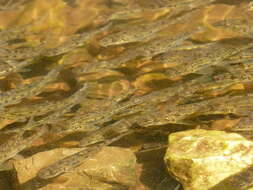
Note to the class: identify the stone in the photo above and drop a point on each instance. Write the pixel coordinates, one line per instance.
(112, 168)
(112, 164)
(27, 168)
(200, 159)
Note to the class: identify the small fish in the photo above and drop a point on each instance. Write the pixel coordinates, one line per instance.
(194, 4)
(237, 25)
(18, 32)
(180, 114)
(245, 124)
(75, 41)
(147, 50)
(16, 95)
(59, 110)
(133, 106)
(67, 104)
(136, 13)
(224, 105)
(181, 2)
(233, 76)
(243, 56)
(10, 4)
(135, 33)
(22, 53)
(18, 142)
(173, 115)
(5, 68)
(91, 121)
(11, 34)
(69, 163)
(208, 58)
(21, 112)
(77, 124)
(244, 74)
(102, 134)
(142, 32)
(139, 104)
(12, 66)
(184, 55)
(240, 106)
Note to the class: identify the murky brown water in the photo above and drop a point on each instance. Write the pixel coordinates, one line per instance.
(78, 73)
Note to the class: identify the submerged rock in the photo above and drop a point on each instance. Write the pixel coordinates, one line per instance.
(200, 159)
(112, 164)
(112, 168)
(28, 168)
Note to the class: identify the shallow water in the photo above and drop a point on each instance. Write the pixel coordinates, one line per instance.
(147, 67)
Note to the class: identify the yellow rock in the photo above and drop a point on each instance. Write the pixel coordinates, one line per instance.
(200, 159)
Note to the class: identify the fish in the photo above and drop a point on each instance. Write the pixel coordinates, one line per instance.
(244, 125)
(85, 122)
(135, 33)
(15, 144)
(142, 32)
(10, 5)
(104, 133)
(181, 2)
(11, 34)
(242, 26)
(136, 13)
(245, 111)
(234, 74)
(227, 105)
(59, 109)
(12, 66)
(69, 163)
(5, 68)
(208, 58)
(75, 41)
(92, 121)
(18, 32)
(147, 50)
(180, 56)
(174, 114)
(77, 124)
(20, 112)
(16, 95)
(182, 113)
(67, 104)
(243, 56)
(22, 53)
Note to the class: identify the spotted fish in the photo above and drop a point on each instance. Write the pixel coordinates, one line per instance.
(59, 110)
(208, 58)
(21, 112)
(142, 32)
(16, 95)
(19, 142)
(12, 66)
(67, 164)
(84, 122)
(237, 25)
(147, 50)
(75, 41)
